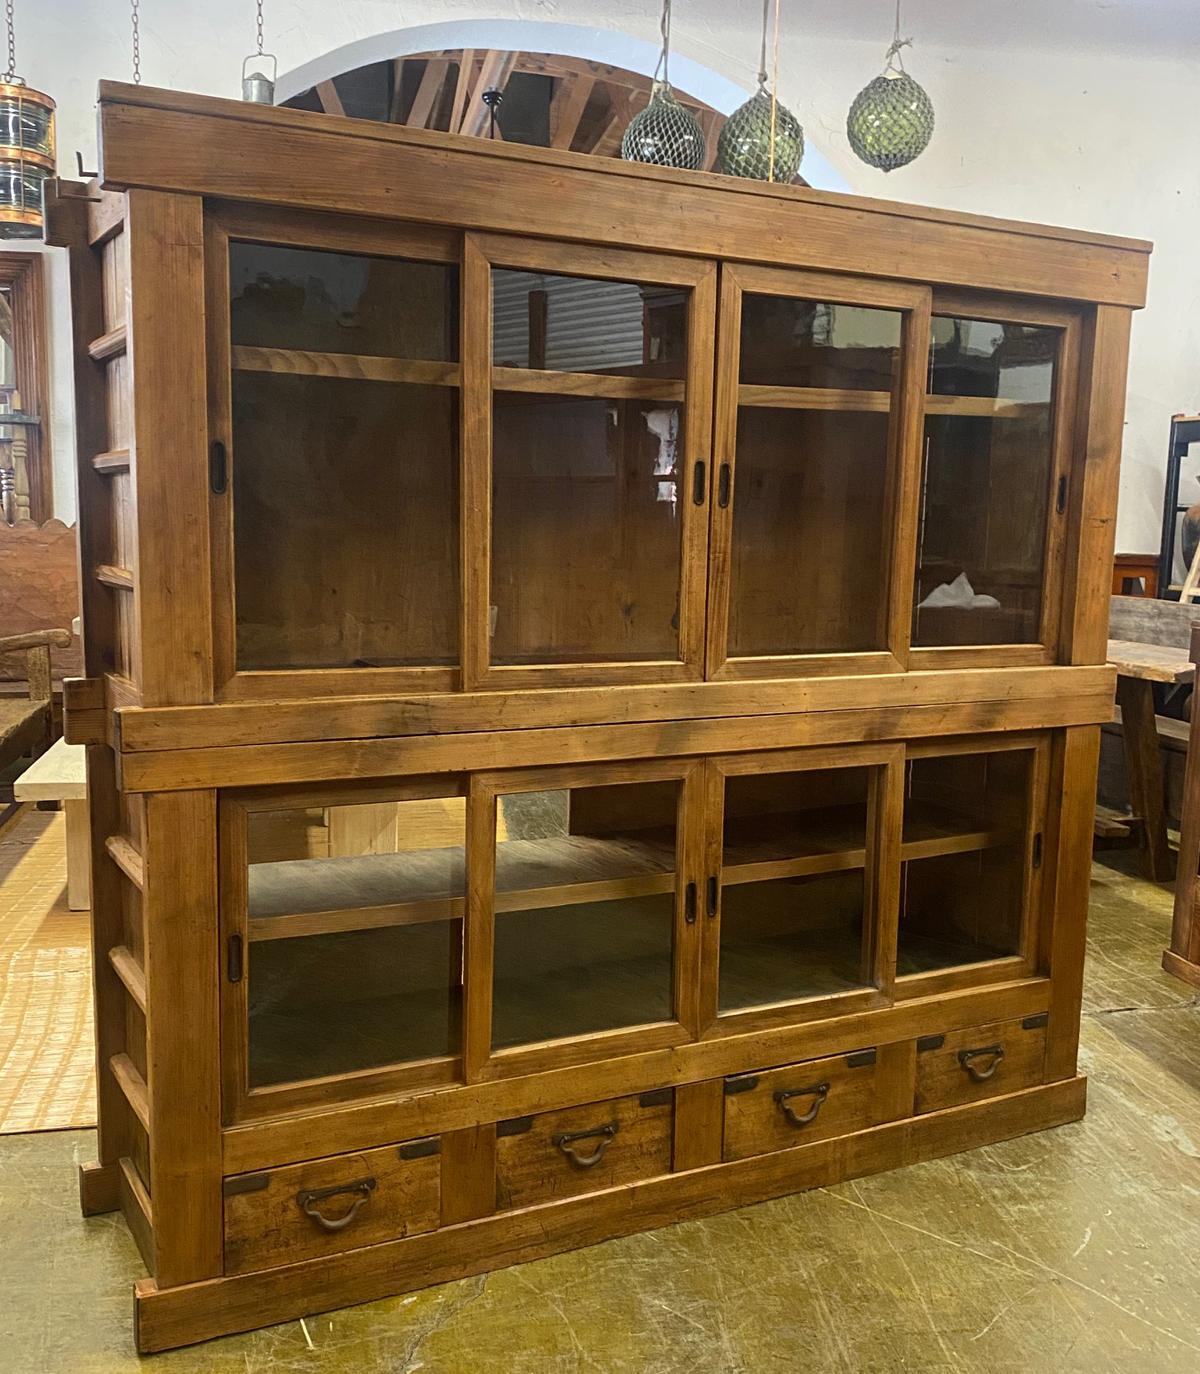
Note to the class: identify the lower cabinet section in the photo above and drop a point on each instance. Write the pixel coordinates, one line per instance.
(778, 1109)
(323, 1206)
(583, 1149)
(985, 1061)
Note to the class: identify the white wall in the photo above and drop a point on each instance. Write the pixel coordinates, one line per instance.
(1095, 140)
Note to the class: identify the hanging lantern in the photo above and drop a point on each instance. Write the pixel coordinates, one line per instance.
(762, 139)
(664, 132)
(257, 86)
(27, 152)
(891, 120)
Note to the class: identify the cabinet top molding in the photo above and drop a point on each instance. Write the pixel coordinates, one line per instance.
(173, 141)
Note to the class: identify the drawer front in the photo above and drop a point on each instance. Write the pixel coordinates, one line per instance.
(317, 1208)
(984, 1061)
(583, 1149)
(797, 1104)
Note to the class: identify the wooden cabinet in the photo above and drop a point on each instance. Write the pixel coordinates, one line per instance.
(591, 717)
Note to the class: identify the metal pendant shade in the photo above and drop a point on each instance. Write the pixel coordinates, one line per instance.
(664, 133)
(27, 149)
(762, 140)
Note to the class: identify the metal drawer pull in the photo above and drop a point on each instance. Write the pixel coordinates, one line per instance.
(604, 1135)
(967, 1059)
(819, 1092)
(308, 1200)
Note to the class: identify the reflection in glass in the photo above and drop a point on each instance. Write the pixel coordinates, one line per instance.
(354, 958)
(586, 529)
(790, 342)
(793, 921)
(966, 905)
(579, 324)
(989, 458)
(585, 911)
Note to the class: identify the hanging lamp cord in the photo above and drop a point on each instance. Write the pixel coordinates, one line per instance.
(12, 42)
(893, 62)
(137, 43)
(664, 56)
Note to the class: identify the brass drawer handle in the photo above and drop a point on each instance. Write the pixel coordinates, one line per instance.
(604, 1135)
(980, 1074)
(818, 1092)
(309, 1199)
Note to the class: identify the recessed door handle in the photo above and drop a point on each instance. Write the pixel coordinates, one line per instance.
(724, 485)
(699, 483)
(711, 906)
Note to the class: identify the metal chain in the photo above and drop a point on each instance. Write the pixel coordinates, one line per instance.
(260, 27)
(137, 43)
(12, 41)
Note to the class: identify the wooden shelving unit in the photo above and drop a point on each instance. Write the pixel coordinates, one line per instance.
(519, 747)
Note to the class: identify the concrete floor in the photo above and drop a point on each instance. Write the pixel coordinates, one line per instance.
(1077, 1249)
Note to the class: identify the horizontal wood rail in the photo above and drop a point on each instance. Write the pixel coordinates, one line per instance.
(604, 385)
(130, 972)
(133, 1085)
(127, 859)
(121, 578)
(348, 366)
(110, 345)
(852, 399)
(115, 460)
(136, 1205)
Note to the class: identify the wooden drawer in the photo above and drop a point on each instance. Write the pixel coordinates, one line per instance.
(325, 1205)
(777, 1109)
(583, 1149)
(984, 1061)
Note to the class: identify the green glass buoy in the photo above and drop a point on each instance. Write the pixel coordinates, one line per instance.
(744, 147)
(890, 122)
(664, 133)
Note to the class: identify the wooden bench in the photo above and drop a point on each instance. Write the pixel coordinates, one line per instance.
(27, 721)
(60, 774)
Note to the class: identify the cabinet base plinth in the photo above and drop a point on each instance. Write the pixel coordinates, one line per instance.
(170, 1317)
(1181, 968)
(99, 1189)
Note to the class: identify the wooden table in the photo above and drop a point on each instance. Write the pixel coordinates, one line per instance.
(60, 775)
(1138, 667)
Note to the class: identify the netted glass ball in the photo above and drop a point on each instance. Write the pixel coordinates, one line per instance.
(664, 133)
(744, 148)
(890, 122)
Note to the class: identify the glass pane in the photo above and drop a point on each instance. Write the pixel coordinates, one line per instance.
(809, 533)
(345, 489)
(789, 342)
(306, 298)
(355, 923)
(586, 529)
(989, 459)
(793, 921)
(578, 324)
(585, 911)
(963, 885)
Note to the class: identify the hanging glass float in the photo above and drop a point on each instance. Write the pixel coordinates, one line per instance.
(762, 139)
(664, 132)
(27, 151)
(891, 120)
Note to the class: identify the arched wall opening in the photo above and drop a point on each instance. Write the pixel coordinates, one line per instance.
(314, 84)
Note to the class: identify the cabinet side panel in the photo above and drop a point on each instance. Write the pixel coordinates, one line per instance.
(169, 448)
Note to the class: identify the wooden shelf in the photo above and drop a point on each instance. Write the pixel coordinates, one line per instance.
(360, 367)
(605, 385)
(931, 831)
(759, 848)
(379, 890)
(852, 399)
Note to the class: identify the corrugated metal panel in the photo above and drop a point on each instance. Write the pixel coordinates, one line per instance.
(592, 326)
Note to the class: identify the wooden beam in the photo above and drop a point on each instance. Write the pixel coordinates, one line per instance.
(396, 104)
(609, 139)
(567, 107)
(331, 102)
(497, 68)
(462, 89)
(425, 102)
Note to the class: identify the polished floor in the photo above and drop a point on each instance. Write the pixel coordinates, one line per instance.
(1074, 1250)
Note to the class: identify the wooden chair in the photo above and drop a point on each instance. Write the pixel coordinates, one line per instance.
(27, 723)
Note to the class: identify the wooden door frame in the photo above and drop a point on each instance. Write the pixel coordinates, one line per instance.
(482, 252)
(322, 232)
(902, 488)
(880, 869)
(24, 275)
(1065, 467)
(241, 1103)
(1025, 963)
(482, 1062)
